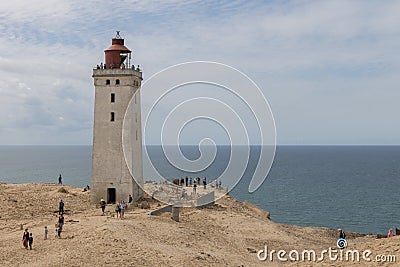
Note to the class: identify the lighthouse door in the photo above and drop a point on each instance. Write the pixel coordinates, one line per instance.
(111, 198)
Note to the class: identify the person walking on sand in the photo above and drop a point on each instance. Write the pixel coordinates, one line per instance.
(46, 231)
(118, 210)
(59, 230)
(25, 239)
(123, 206)
(61, 207)
(61, 222)
(59, 179)
(103, 206)
(390, 233)
(341, 234)
(56, 233)
(30, 241)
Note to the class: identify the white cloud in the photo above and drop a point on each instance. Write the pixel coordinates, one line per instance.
(307, 56)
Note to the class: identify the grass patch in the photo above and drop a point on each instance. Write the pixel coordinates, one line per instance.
(63, 190)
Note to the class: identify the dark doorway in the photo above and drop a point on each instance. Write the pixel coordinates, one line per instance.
(111, 196)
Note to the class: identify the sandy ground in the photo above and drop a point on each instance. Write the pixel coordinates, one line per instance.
(229, 233)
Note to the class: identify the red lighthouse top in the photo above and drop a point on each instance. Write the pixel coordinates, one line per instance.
(117, 53)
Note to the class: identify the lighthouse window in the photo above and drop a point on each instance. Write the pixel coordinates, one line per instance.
(112, 116)
(117, 81)
(107, 82)
(112, 97)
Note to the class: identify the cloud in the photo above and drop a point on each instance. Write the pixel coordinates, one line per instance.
(322, 65)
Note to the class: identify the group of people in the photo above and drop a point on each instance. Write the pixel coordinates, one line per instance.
(112, 66)
(27, 238)
(120, 207)
(389, 234)
(189, 182)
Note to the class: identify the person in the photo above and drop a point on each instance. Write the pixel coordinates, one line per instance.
(187, 181)
(205, 182)
(25, 239)
(59, 230)
(60, 179)
(390, 233)
(122, 65)
(183, 193)
(118, 210)
(103, 206)
(219, 184)
(182, 181)
(60, 222)
(56, 233)
(130, 199)
(101, 65)
(123, 207)
(341, 234)
(194, 187)
(61, 207)
(46, 231)
(190, 181)
(30, 241)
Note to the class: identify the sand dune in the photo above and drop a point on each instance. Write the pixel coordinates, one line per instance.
(229, 233)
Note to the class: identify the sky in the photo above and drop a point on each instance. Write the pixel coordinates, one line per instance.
(329, 69)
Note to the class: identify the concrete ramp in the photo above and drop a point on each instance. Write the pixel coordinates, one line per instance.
(161, 210)
(206, 200)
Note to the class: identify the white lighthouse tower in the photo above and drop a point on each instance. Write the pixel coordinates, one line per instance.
(116, 82)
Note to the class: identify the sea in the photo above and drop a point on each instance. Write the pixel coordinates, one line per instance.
(355, 188)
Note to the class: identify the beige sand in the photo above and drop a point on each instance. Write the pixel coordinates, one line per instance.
(226, 234)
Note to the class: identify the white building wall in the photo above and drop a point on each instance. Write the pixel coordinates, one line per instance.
(109, 168)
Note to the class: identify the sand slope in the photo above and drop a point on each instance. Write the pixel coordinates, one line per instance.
(226, 234)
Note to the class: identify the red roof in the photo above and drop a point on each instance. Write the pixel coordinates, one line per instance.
(118, 47)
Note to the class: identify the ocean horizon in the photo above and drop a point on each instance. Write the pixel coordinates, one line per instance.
(348, 187)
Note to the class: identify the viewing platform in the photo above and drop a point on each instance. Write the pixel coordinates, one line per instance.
(117, 72)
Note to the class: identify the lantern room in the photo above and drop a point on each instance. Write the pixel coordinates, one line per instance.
(117, 55)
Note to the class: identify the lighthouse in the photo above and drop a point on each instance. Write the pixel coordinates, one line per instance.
(117, 84)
